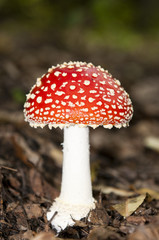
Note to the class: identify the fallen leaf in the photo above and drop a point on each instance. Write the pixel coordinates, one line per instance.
(107, 190)
(33, 210)
(152, 143)
(149, 232)
(101, 233)
(127, 207)
(153, 194)
(99, 216)
(44, 236)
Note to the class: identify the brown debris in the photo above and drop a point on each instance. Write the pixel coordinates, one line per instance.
(148, 232)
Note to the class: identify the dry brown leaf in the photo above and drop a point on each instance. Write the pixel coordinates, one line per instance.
(127, 207)
(107, 190)
(101, 233)
(36, 182)
(45, 236)
(33, 210)
(152, 143)
(153, 194)
(24, 152)
(149, 232)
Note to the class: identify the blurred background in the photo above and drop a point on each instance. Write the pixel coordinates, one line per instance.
(121, 36)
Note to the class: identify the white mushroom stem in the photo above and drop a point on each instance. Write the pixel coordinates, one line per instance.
(76, 181)
(75, 200)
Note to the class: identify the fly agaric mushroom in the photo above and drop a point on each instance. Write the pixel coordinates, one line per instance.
(74, 96)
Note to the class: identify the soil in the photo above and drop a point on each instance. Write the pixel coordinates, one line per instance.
(125, 162)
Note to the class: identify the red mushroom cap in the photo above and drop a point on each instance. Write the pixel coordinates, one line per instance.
(78, 93)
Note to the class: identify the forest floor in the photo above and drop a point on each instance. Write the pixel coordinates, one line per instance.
(124, 163)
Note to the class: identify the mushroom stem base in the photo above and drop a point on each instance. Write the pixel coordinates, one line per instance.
(62, 214)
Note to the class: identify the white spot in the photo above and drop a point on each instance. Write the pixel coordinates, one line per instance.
(47, 108)
(114, 106)
(53, 105)
(63, 103)
(102, 82)
(46, 88)
(70, 66)
(72, 87)
(37, 111)
(74, 96)
(86, 82)
(39, 99)
(71, 104)
(117, 82)
(105, 76)
(94, 108)
(117, 118)
(129, 101)
(59, 93)
(56, 101)
(82, 104)
(91, 99)
(84, 109)
(74, 75)
(106, 99)
(53, 86)
(109, 126)
(121, 113)
(83, 98)
(64, 84)
(77, 103)
(32, 109)
(67, 116)
(120, 97)
(57, 73)
(57, 115)
(81, 91)
(99, 103)
(119, 100)
(112, 92)
(64, 74)
(94, 75)
(50, 70)
(79, 70)
(49, 100)
(67, 97)
(32, 96)
(37, 92)
(106, 106)
(92, 91)
(47, 75)
(46, 113)
(27, 104)
(41, 109)
(38, 83)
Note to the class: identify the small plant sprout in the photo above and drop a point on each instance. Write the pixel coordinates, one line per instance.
(76, 96)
